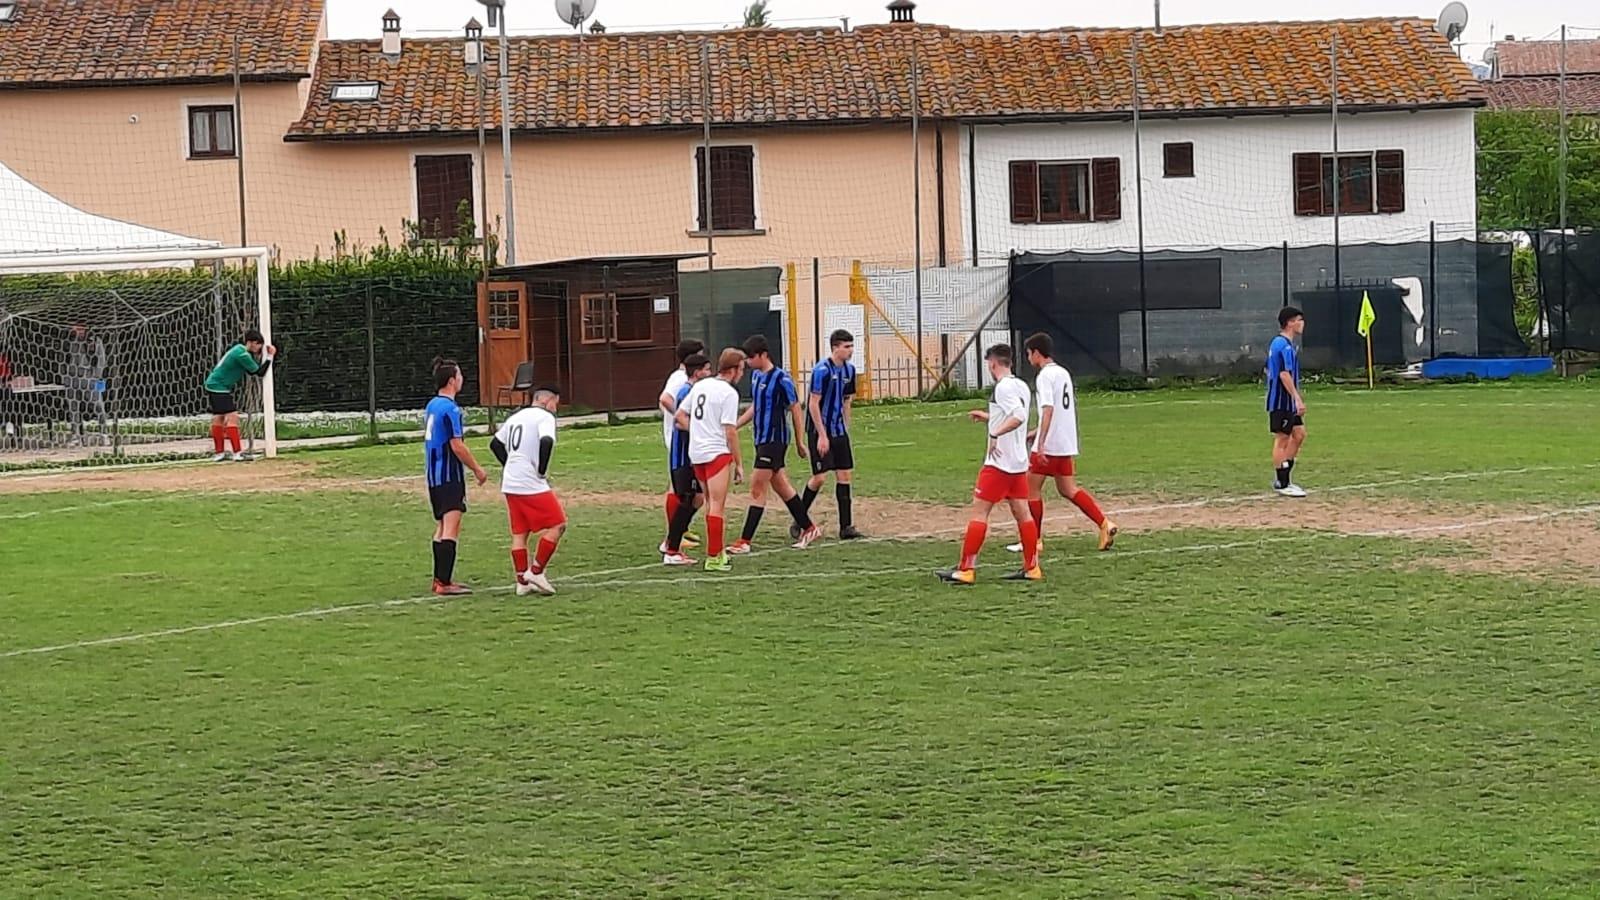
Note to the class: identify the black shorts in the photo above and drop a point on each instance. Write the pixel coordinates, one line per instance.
(771, 456)
(684, 484)
(447, 498)
(220, 404)
(838, 458)
(1284, 421)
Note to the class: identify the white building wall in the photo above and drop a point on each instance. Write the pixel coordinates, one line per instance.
(1242, 193)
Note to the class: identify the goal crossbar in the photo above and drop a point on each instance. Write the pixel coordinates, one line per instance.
(70, 262)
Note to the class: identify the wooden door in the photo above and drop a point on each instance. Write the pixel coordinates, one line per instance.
(503, 323)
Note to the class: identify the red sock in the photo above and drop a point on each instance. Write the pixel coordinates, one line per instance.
(714, 535)
(216, 437)
(541, 558)
(1036, 507)
(1030, 543)
(519, 561)
(977, 530)
(672, 506)
(233, 437)
(1085, 501)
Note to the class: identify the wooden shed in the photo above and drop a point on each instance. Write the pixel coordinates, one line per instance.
(605, 329)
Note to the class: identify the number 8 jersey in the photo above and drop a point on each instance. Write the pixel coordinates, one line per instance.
(521, 434)
(712, 405)
(1053, 388)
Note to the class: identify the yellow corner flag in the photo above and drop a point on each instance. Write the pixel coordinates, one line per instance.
(1364, 324)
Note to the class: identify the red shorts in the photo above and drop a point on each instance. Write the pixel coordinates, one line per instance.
(534, 512)
(995, 485)
(704, 472)
(1054, 466)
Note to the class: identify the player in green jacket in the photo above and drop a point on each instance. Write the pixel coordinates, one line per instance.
(241, 359)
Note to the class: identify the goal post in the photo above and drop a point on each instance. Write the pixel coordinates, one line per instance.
(104, 353)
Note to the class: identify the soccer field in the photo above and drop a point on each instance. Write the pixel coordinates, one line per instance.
(230, 680)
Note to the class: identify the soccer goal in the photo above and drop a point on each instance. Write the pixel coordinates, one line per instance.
(106, 354)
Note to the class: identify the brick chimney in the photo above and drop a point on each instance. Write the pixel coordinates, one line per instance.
(391, 33)
(902, 12)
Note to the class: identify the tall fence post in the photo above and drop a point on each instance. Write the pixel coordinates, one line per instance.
(816, 311)
(1433, 290)
(611, 344)
(1138, 204)
(372, 370)
(916, 214)
(1285, 273)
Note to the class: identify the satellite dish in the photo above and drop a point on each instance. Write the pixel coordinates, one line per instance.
(1452, 20)
(575, 12)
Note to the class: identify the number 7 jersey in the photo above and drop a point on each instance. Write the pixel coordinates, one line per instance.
(521, 434)
(1054, 392)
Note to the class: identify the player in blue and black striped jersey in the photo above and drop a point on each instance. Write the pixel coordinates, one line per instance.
(1286, 409)
(447, 458)
(775, 402)
(833, 390)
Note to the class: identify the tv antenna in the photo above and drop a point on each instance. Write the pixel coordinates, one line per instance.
(575, 12)
(1452, 21)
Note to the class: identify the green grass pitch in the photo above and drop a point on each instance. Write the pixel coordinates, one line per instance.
(238, 688)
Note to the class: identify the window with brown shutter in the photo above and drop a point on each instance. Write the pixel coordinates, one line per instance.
(1391, 168)
(1177, 160)
(1107, 178)
(1024, 191)
(211, 132)
(1308, 184)
(444, 197)
(733, 188)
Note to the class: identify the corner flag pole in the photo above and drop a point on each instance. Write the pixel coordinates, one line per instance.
(1364, 328)
(1369, 361)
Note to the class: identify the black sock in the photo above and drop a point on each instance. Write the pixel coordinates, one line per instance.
(752, 521)
(797, 508)
(1290, 466)
(841, 492)
(1280, 476)
(438, 559)
(680, 524)
(809, 497)
(447, 561)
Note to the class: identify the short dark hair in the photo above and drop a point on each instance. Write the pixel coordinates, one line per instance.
(1289, 314)
(689, 347)
(253, 336)
(1040, 342)
(443, 371)
(756, 345)
(841, 337)
(999, 353)
(695, 362)
(547, 390)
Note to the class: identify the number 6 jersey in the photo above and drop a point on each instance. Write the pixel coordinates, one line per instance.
(1053, 388)
(521, 434)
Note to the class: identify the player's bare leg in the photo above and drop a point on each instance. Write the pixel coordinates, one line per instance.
(549, 540)
(445, 536)
(1067, 486)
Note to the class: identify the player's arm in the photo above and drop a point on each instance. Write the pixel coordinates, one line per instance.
(1043, 430)
(849, 401)
(681, 419)
(668, 403)
(747, 415)
(458, 446)
(498, 448)
(799, 424)
(730, 427)
(547, 446)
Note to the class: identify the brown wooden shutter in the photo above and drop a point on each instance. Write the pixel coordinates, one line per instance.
(1308, 184)
(443, 184)
(703, 224)
(733, 189)
(1024, 191)
(1391, 166)
(1105, 176)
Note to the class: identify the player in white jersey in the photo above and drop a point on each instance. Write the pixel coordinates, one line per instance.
(1004, 477)
(1055, 443)
(524, 445)
(710, 412)
(668, 403)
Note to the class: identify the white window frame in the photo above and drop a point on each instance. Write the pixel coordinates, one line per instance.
(184, 106)
(375, 87)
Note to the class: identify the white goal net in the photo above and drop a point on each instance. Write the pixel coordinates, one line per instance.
(106, 356)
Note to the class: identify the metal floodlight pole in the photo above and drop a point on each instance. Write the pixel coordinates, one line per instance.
(1338, 279)
(497, 15)
(475, 38)
(1138, 205)
(238, 142)
(916, 212)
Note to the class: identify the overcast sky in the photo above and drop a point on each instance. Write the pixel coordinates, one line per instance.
(1523, 18)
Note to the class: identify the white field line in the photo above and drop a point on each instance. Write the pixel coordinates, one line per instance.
(869, 573)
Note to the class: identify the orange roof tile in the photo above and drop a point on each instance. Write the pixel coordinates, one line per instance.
(769, 76)
(108, 42)
(1583, 93)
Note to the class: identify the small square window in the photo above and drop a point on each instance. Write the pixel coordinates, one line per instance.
(596, 318)
(7, 11)
(1178, 159)
(211, 132)
(356, 90)
(505, 311)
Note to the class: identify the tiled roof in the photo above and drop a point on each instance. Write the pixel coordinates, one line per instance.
(1520, 58)
(105, 42)
(1583, 93)
(766, 76)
